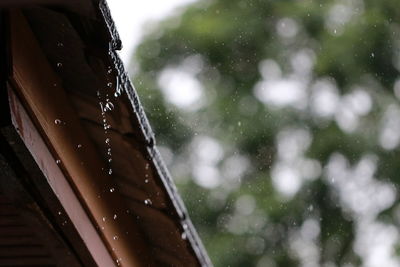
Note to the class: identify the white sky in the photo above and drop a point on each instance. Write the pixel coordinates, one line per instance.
(131, 15)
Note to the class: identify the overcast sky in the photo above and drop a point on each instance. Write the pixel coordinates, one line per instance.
(131, 15)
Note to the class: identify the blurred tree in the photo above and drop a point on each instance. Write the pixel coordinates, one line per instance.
(281, 125)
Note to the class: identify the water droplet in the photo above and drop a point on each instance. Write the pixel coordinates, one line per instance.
(59, 65)
(115, 237)
(110, 159)
(109, 71)
(109, 106)
(109, 84)
(115, 216)
(110, 171)
(104, 219)
(58, 161)
(146, 181)
(79, 146)
(60, 44)
(147, 166)
(59, 213)
(107, 141)
(372, 55)
(57, 121)
(184, 235)
(112, 189)
(185, 226)
(148, 202)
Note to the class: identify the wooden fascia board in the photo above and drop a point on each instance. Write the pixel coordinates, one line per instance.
(58, 184)
(41, 94)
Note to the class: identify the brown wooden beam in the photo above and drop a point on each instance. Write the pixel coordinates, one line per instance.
(61, 138)
(66, 208)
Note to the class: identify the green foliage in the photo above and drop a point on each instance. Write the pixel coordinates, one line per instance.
(247, 219)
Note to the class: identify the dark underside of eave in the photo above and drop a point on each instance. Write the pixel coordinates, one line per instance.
(85, 46)
(32, 232)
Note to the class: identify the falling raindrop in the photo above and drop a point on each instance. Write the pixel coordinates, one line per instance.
(184, 235)
(108, 107)
(148, 202)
